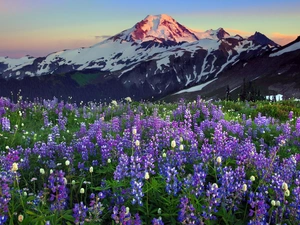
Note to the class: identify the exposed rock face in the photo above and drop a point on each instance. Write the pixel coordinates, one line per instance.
(261, 39)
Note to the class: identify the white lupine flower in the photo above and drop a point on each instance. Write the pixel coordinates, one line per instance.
(65, 181)
(284, 186)
(134, 131)
(51, 171)
(287, 192)
(180, 147)
(273, 203)
(14, 167)
(91, 169)
(128, 99)
(67, 162)
(181, 139)
(214, 186)
(277, 203)
(173, 143)
(108, 161)
(245, 187)
(137, 143)
(147, 176)
(42, 171)
(73, 182)
(164, 155)
(127, 210)
(159, 211)
(20, 218)
(81, 191)
(219, 159)
(252, 178)
(114, 102)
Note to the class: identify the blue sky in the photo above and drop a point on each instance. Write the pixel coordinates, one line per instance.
(39, 27)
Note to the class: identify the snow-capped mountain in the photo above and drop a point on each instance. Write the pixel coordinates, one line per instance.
(277, 73)
(157, 54)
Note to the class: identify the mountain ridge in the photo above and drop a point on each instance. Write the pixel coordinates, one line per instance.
(152, 55)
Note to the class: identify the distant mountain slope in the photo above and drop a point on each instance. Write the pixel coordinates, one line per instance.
(273, 73)
(154, 58)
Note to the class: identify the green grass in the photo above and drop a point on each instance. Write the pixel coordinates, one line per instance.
(84, 79)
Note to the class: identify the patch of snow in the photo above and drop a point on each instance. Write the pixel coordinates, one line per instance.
(189, 79)
(235, 62)
(164, 61)
(29, 73)
(291, 48)
(227, 63)
(13, 63)
(203, 66)
(124, 71)
(234, 89)
(196, 88)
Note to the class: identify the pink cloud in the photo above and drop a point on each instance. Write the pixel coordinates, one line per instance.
(283, 39)
(239, 32)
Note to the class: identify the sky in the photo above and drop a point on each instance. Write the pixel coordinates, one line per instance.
(40, 27)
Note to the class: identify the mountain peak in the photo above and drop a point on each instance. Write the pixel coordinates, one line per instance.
(221, 33)
(159, 28)
(262, 39)
(159, 17)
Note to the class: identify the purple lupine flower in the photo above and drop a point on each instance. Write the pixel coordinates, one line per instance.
(122, 168)
(214, 197)
(115, 124)
(55, 133)
(232, 182)
(186, 214)
(46, 119)
(297, 127)
(122, 216)
(62, 121)
(259, 208)
(5, 122)
(196, 181)
(173, 184)
(188, 119)
(79, 213)
(157, 221)
(136, 192)
(3, 219)
(58, 190)
(291, 113)
(6, 180)
(95, 207)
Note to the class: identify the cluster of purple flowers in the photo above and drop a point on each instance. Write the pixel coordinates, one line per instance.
(58, 190)
(209, 164)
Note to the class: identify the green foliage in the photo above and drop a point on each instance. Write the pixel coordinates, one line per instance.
(84, 79)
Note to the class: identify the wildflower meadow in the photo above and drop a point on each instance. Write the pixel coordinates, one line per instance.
(130, 162)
